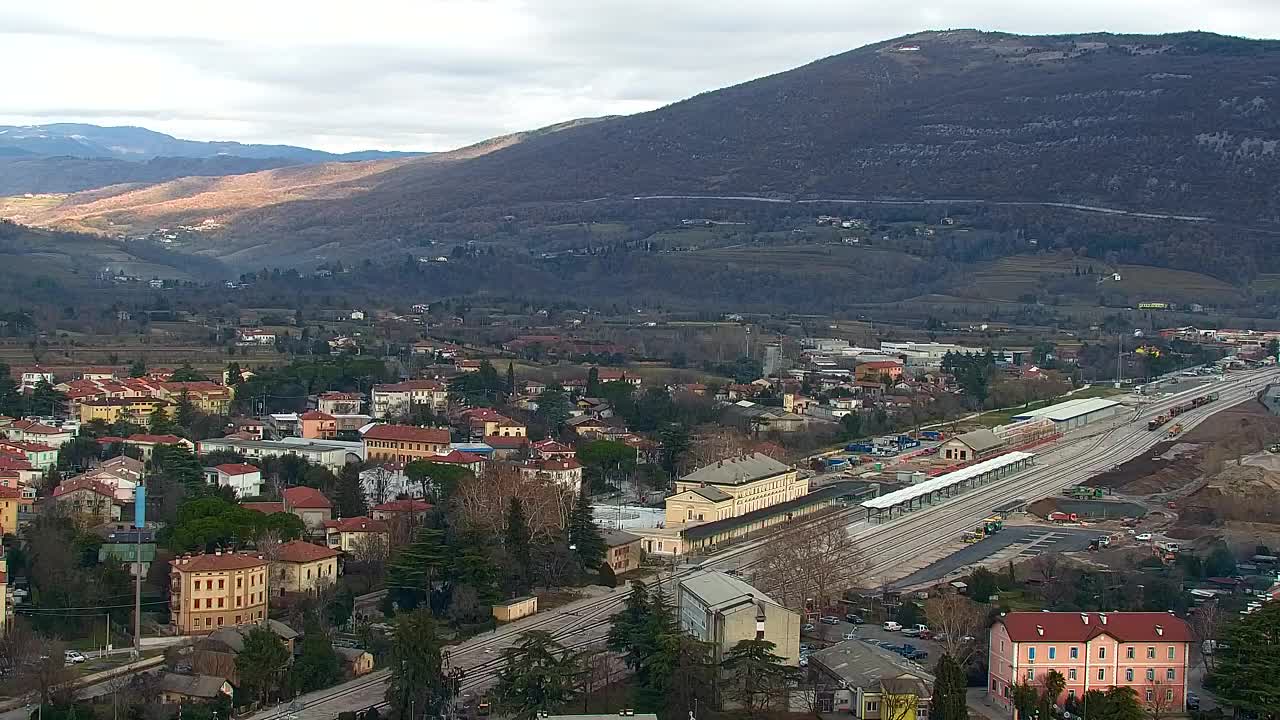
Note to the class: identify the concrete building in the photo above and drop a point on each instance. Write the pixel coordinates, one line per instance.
(515, 608)
(404, 443)
(137, 410)
(860, 679)
(1075, 413)
(1147, 651)
(244, 479)
(565, 472)
(720, 609)
(773, 359)
(401, 399)
(339, 403)
(316, 425)
(624, 552)
(355, 533)
(92, 502)
(332, 454)
(971, 446)
(300, 566)
(731, 487)
(210, 591)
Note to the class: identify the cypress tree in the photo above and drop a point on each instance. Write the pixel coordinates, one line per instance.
(948, 701)
(585, 534)
(518, 545)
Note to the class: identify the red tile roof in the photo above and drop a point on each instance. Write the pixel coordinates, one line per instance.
(499, 442)
(29, 446)
(408, 433)
(1072, 626)
(31, 426)
(356, 524)
(301, 551)
(144, 438)
(84, 483)
(10, 493)
(878, 364)
(555, 464)
(315, 415)
(551, 446)
(403, 505)
(305, 498)
(265, 508)
(341, 396)
(238, 468)
(456, 457)
(212, 562)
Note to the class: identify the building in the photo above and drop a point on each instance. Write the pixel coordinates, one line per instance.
(29, 378)
(40, 456)
(1075, 413)
(859, 679)
(176, 689)
(204, 395)
(506, 448)
(216, 653)
(408, 509)
(757, 418)
(10, 500)
(147, 444)
(720, 609)
(565, 472)
(300, 566)
(515, 608)
(772, 359)
(877, 369)
(31, 431)
(624, 550)
(485, 422)
(137, 410)
(353, 534)
(244, 479)
(1147, 651)
(316, 425)
(93, 502)
(404, 443)
(339, 403)
(469, 461)
(401, 399)
(731, 487)
(971, 446)
(309, 504)
(545, 449)
(332, 454)
(135, 550)
(210, 591)
(355, 662)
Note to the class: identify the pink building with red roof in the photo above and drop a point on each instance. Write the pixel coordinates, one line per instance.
(1146, 651)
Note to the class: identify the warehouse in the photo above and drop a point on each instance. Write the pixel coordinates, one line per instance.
(1075, 413)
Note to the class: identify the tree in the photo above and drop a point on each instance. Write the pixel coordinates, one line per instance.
(584, 534)
(186, 373)
(317, 665)
(349, 497)
(1221, 562)
(679, 675)
(957, 617)
(137, 368)
(235, 375)
(1244, 676)
(538, 675)
(553, 408)
(11, 401)
(607, 460)
(261, 665)
(342, 607)
(625, 631)
(819, 561)
(415, 570)
(1159, 700)
(593, 382)
(45, 400)
(676, 443)
(982, 584)
(517, 543)
(1053, 684)
(1117, 703)
(948, 700)
(755, 677)
(608, 578)
(1205, 624)
(418, 686)
(511, 380)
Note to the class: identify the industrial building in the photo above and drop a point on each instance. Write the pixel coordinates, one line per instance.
(1075, 413)
(720, 609)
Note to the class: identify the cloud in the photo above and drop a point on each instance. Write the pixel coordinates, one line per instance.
(438, 74)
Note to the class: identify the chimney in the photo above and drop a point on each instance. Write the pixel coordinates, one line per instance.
(217, 551)
(1084, 617)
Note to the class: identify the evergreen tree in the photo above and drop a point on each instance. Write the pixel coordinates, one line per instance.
(137, 368)
(948, 701)
(755, 677)
(413, 574)
(584, 534)
(11, 401)
(261, 665)
(317, 665)
(1244, 676)
(235, 375)
(185, 412)
(349, 493)
(186, 373)
(418, 687)
(553, 408)
(625, 632)
(45, 400)
(680, 676)
(676, 443)
(511, 380)
(608, 578)
(518, 545)
(539, 675)
(593, 382)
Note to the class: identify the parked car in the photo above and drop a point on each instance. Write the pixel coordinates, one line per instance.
(916, 655)
(808, 627)
(805, 648)
(804, 661)
(855, 619)
(1193, 701)
(911, 632)
(851, 635)
(891, 626)
(1143, 537)
(829, 620)
(73, 657)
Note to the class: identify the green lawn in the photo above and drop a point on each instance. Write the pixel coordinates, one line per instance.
(1002, 417)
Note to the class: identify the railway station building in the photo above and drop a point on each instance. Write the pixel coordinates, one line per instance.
(917, 496)
(1075, 413)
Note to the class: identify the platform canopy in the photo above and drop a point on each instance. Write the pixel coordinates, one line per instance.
(942, 482)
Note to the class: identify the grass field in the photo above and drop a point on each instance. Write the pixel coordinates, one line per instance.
(812, 258)
(1012, 277)
(1002, 417)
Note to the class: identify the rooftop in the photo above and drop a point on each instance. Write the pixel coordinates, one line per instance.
(237, 468)
(201, 686)
(737, 470)
(720, 590)
(356, 524)
(1081, 627)
(301, 551)
(1070, 409)
(407, 433)
(615, 538)
(303, 497)
(862, 665)
(217, 561)
(980, 440)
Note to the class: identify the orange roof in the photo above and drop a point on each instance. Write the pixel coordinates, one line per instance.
(301, 551)
(83, 483)
(31, 426)
(266, 508)
(237, 468)
(305, 497)
(876, 364)
(457, 457)
(217, 561)
(144, 438)
(315, 415)
(500, 442)
(356, 524)
(408, 433)
(403, 505)
(9, 493)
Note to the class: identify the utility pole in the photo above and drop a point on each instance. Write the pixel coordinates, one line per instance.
(1119, 360)
(139, 524)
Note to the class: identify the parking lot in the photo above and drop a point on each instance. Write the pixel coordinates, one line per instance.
(824, 635)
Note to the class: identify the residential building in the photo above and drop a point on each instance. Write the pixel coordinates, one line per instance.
(587, 427)
(877, 369)
(470, 461)
(29, 378)
(732, 487)
(971, 446)
(339, 403)
(350, 534)
(147, 444)
(40, 456)
(205, 395)
(34, 432)
(387, 480)
(720, 609)
(404, 443)
(1149, 652)
(316, 425)
(861, 679)
(547, 449)
(122, 542)
(300, 566)
(10, 500)
(91, 501)
(624, 552)
(607, 375)
(332, 454)
(309, 504)
(401, 399)
(507, 448)
(177, 689)
(210, 591)
(137, 410)
(565, 472)
(411, 509)
(125, 467)
(216, 653)
(253, 336)
(244, 479)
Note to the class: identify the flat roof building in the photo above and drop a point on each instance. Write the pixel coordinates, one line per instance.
(719, 608)
(1075, 413)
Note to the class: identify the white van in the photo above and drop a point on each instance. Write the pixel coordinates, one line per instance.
(891, 626)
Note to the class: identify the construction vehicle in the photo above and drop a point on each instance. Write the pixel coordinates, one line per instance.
(971, 536)
(993, 525)
(1063, 517)
(1175, 431)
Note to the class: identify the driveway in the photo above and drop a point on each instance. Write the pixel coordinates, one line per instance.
(1030, 541)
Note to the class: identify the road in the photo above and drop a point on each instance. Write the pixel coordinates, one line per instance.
(893, 547)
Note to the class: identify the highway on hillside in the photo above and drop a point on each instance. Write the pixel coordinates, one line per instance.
(888, 546)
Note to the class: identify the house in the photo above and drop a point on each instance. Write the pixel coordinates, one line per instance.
(244, 479)
(877, 369)
(404, 443)
(547, 449)
(408, 508)
(624, 551)
(125, 467)
(136, 550)
(301, 566)
(565, 472)
(137, 410)
(216, 653)
(720, 609)
(34, 432)
(485, 422)
(587, 427)
(869, 682)
(468, 366)
(1147, 651)
(213, 590)
(971, 446)
(250, 336)
(124, 486)
(146, 444)
(250, 428)
(470, 461)
(507, 448)
(732, 487)
(353, 534)
(387, 480)
(309, 504)
(29, 378)
(402, 399)
(355, 661)
(339, 403)
(92, 501)
(318, 425)
(40, 456)
(333, 454)
(176, 689)
(205, 395)
(618, 375)
(10, 500)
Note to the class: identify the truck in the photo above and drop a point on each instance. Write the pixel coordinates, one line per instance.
(993, 525)
(933, 435)
(1063, 517)
(859, 447)
(1175, 431)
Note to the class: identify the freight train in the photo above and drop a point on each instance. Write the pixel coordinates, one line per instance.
(1156, 422)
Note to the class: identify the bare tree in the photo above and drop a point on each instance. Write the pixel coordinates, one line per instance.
(484, 501)
(1204, 628)
(369, 555)
(818, 562)
(19, 647)
(1158, 701)
(48, 675)
(956, 617)
(376, 482)
(268, 545)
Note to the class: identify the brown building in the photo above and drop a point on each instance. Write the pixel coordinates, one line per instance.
(300, 566)
(623, 550)
(210, 591)
(404, 443)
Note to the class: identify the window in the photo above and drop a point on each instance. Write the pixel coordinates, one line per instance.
(1053, 653)
(1170, 675)
(208, 622)
(219, 621)
(221, 583)
(1031, 653)
(1001, 646)
(220, 602)
(1075, 653)
(195, 604)
(1071, 674)
(208, 603)
(1071, 694)
(1102, 674)
(1149, 694)
(1168, 694)
(1172, 652)
(1151, 652)
(872, 706)
(1128, 675)
(1151, 675)
(1102, 653)
(237, 619)
(239, 583)
(1031, 674)
(1128, 652)
(208, 584)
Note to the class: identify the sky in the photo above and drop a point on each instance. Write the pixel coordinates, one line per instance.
(440, 74)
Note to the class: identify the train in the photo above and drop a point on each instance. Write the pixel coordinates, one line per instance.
(1158, 421)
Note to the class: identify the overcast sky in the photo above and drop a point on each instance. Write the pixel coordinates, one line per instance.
(439, 74)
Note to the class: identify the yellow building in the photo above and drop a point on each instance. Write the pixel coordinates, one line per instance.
(404, 443)
(516, 608)
(206, 396)
(4, 591)
(110, 410)
(10, 499)
(356, 533)
(300, 566)
(210, 591)
(732, 487)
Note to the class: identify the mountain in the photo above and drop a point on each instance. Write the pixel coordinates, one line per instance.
(23, 172)
(134, 143)
(1182, 123)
